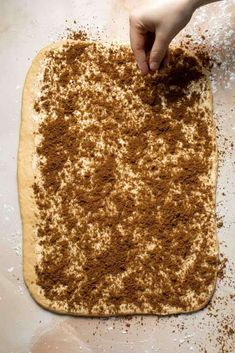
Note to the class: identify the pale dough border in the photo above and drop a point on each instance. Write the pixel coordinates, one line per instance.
(26, 199)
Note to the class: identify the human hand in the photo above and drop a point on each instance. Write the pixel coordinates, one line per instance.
(153, 26)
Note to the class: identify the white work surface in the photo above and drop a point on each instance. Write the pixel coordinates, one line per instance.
(25, 27)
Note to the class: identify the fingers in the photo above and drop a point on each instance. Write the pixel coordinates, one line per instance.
(165, 61)
(158, 52)
(138, 40)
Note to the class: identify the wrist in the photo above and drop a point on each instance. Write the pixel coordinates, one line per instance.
(190, 6)
(195, 4)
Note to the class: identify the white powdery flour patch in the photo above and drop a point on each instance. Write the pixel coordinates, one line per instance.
(212, 27)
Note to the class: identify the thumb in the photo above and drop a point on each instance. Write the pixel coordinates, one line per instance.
(158, 52)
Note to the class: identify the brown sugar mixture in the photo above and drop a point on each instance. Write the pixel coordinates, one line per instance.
(125, 183)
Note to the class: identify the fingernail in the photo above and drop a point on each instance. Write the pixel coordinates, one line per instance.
(143, 68)
(154, 66)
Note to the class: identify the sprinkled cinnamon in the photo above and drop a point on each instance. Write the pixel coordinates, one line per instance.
(125, 204)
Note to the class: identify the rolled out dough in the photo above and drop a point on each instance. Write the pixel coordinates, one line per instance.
(27, 170)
